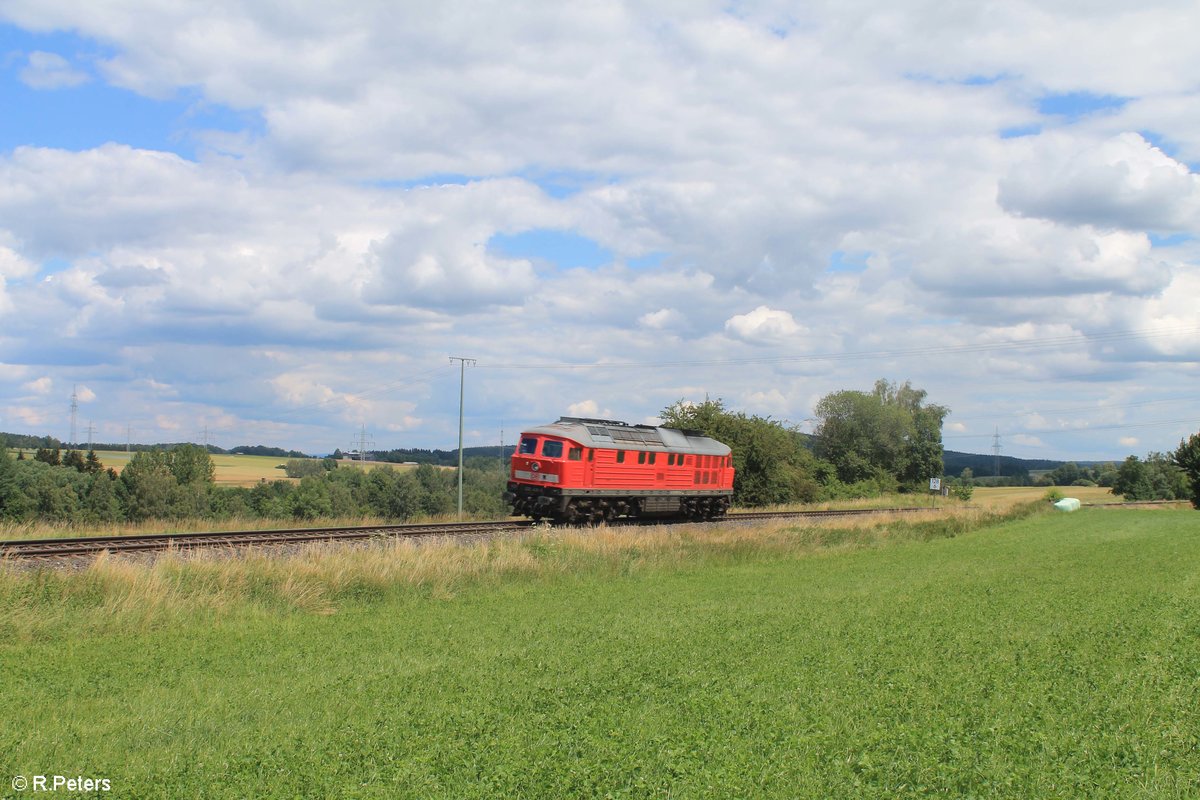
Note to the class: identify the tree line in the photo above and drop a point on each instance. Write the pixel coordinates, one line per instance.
(865, 443)
(179, 484)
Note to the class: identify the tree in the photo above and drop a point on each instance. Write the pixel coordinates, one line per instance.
(74, 459)
(299, 468)
(52, 493)
(148, 483)
(191, 463)
(311, 499)
(771, 463)
(102, 504)
(1065, 475)
(888, 434)
(12, 500)
(1157, 478)
(1187, 458)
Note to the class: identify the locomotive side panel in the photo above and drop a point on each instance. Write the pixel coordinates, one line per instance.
(580, 471)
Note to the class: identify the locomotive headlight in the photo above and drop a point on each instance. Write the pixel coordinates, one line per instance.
(535, 466)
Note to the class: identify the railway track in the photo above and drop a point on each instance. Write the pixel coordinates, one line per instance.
(93, 545)
(19, 549)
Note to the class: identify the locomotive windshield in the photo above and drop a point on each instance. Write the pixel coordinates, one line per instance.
(529, 446)
(552, 449)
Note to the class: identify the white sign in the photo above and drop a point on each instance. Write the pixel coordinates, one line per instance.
(935, 484)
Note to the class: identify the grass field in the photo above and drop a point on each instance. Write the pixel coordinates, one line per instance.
(997, 497)
(1052, 656)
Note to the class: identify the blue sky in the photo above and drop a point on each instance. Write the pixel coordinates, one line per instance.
(280, 229)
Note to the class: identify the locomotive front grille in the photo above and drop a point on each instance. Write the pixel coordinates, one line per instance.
(526, 475)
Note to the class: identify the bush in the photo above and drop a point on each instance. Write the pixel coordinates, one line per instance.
(303, 467)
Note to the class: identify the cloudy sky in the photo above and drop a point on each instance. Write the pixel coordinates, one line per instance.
(276, 222)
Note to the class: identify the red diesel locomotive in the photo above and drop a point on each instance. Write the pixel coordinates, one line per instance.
(586, 471)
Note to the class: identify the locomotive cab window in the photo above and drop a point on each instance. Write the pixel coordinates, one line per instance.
(552, 449)
(575, 454)
(529, 446)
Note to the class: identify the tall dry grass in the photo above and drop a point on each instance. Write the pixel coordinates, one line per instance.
(54, 530)
(129, 593)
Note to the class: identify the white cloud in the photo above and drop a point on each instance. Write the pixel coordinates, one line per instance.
(1128, 441)
(1122, 182)
(588, 408)
(731, 164)
(34, 418)
(763, 325)
(42, 385)
(51, 71)
(165, 423)
(661, 319)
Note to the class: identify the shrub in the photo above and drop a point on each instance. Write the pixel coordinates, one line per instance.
(303, 467)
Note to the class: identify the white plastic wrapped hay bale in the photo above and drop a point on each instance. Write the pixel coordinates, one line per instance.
(1067, 504)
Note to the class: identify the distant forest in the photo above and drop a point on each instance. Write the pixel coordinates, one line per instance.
(984, 465)
(27, 442)
(438, 458)
(981, 465)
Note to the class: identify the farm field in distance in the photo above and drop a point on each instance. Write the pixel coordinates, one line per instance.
(1054, 655)
(232, 470)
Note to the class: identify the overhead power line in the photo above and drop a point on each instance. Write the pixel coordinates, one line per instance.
(1047, 343)
(1077, 429)
(1080, 409)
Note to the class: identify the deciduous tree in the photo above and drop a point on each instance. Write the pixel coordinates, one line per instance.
(771, 463)
(1187, 458)
(191, 463)
(889, 432)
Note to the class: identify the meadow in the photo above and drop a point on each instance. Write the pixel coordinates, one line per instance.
(972, 654)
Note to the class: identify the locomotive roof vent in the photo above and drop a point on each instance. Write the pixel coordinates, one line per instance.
(612, 422)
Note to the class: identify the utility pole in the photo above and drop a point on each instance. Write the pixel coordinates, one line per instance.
(74, 411)
(462, 377)
(996, 453)
(363, 440)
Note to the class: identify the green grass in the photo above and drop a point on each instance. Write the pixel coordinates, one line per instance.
(1055, 656)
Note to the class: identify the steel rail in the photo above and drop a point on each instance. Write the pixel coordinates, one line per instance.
(94, 545)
